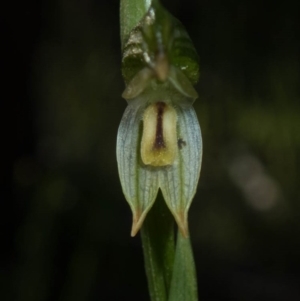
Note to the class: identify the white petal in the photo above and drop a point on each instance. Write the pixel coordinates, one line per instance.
(178, 182)
(139, 182)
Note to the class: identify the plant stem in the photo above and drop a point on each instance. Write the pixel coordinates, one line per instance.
(159, 247)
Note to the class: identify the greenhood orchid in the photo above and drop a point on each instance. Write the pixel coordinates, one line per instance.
(159, 144)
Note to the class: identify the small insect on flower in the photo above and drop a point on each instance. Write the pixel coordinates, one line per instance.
(181, 143)
(159, 143)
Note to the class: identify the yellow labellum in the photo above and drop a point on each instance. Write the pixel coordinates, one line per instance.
(159, 140)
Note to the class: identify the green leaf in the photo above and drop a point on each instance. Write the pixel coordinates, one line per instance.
(184, 280)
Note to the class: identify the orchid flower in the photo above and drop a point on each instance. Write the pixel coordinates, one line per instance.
(159, 144)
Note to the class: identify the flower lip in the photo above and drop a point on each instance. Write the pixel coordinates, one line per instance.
(159, 139)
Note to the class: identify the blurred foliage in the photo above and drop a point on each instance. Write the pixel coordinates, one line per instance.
(67, 224)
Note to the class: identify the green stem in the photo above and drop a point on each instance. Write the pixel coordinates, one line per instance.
(159, 247)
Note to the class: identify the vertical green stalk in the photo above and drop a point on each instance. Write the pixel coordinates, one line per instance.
(159, 247)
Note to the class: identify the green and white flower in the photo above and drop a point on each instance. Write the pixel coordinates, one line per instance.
(159, 143)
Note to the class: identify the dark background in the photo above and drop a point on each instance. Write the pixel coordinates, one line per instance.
(65, 231)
